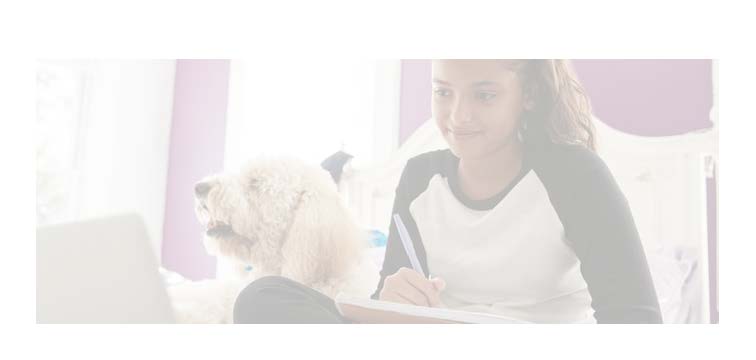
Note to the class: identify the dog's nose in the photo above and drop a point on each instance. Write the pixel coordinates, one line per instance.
(201, 189)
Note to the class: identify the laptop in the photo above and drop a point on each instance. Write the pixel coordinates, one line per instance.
(99, 271)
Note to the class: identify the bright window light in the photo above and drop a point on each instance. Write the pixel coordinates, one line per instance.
(312, 108)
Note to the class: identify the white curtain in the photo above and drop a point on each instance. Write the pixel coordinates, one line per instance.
(103, 130)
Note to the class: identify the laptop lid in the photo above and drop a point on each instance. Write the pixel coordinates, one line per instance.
(99, 271)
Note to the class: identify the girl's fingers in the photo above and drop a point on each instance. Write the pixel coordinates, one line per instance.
(439, 283)
(423, 285)
(406, 296)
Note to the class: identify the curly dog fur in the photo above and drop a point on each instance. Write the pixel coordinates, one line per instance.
(284, 217)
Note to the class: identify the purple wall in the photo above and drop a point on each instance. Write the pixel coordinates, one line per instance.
(414, 101)
(198, 133)
(649, 97)
(711, 199)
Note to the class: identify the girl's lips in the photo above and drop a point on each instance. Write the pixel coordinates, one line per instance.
(463, 133)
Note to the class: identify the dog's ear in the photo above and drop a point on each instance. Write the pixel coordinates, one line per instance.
(322, 241)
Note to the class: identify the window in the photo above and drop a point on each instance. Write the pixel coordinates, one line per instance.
(102, 140)
(60, 122)
(311, 108)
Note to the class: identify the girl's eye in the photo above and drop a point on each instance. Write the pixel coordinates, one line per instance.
(442, 92)
(485, 96)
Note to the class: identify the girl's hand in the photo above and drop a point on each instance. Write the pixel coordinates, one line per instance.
(409, 287)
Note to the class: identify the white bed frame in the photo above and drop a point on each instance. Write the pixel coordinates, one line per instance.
(663, 178)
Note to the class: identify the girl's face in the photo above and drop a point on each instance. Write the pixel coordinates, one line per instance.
(477, 105)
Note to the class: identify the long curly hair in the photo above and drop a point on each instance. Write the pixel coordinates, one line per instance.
(561, 111)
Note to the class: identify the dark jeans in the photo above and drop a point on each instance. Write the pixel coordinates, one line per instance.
(278, 300)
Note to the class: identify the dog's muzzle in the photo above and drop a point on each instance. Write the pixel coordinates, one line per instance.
(224, 232)
(221, 231)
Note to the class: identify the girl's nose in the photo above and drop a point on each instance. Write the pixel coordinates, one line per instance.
(461, 113)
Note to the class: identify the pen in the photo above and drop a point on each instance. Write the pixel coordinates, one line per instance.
(408, 246)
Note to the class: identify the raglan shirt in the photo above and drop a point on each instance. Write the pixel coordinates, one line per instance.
(558, 245)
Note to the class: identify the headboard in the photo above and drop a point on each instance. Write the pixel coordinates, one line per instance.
(663, 178)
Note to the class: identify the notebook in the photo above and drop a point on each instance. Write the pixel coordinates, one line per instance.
(371, 311)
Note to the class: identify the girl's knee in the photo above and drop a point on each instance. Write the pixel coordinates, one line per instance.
(256, 301)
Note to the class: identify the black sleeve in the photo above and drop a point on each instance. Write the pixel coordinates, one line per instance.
(395, 257)
(414, 179)
(600, 228)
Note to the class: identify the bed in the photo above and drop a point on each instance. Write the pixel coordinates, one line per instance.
(663, 178)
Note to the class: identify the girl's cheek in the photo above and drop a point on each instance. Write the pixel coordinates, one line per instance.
(440, 123)
(440, 119)
(440, 111)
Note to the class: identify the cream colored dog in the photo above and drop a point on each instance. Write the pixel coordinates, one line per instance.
(284, 217)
